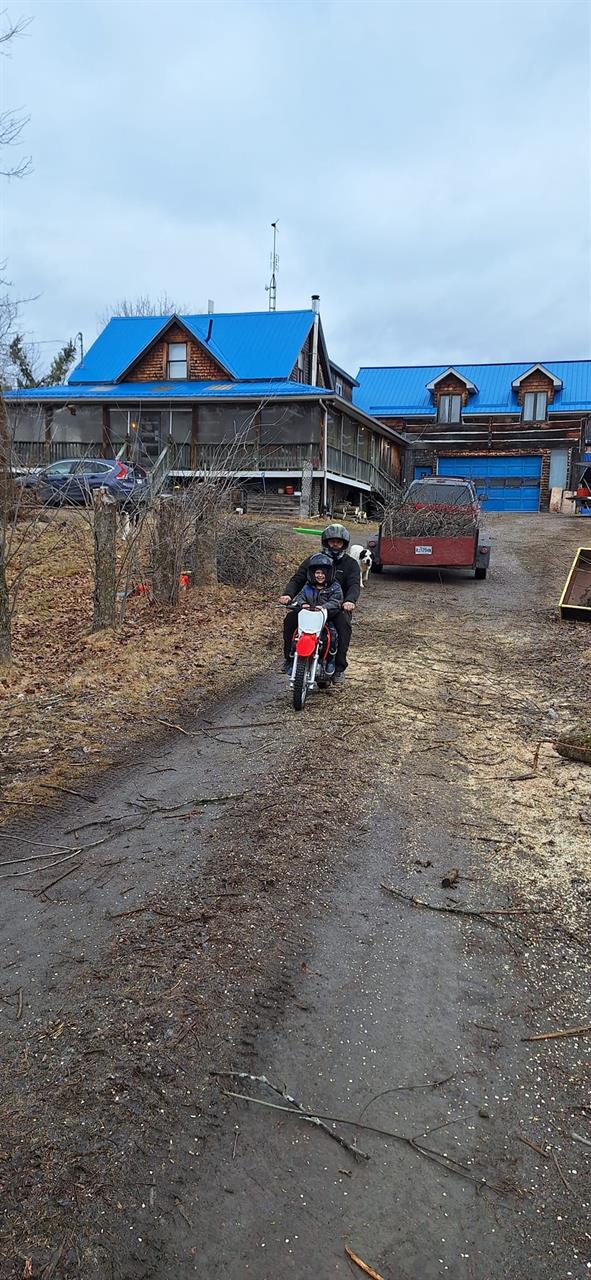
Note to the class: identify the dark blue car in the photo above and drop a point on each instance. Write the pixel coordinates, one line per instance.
(73, 480)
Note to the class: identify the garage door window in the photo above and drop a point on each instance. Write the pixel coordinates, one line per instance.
(535, 404)
(450, 408)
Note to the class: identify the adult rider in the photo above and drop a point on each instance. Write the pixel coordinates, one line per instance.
(336, 540)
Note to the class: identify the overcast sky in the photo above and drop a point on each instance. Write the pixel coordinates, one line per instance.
(429, 164)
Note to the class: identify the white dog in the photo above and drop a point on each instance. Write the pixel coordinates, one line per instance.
(364, 559)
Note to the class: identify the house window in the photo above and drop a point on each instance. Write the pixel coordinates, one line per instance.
(338, 386)
(177, 359)
(450, 408)
(535, 404)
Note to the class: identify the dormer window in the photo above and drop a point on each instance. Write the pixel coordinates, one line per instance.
(535, 406)
(449, 408)
(177, 360)
(338, 386)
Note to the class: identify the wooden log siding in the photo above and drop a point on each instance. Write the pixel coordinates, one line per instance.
(452, 386)
(153, 365)
(536, 382)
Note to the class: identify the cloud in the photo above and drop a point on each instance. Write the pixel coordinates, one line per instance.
(429, 165)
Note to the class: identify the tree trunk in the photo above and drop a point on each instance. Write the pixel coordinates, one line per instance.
(5, 516)
(105, 562)
(204, 552)
(167, 556)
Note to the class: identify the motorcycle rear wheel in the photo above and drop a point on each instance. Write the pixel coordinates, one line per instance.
(300, 683)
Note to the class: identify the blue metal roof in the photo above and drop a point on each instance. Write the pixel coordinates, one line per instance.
(136, 392)
(249, 344)
(402, 392)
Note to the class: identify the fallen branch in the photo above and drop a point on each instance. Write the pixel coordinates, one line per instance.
(51, 884)
(190, 813)
(435, 1157)
(368, 1271)
(514, 777)
(578, 1138)
(534, 1146)
(34, 857)
(247, 724)
(98, 822)
(482, 913)
(169, 725)
(41, 844)
(53, 786)
(560, 1173)
(559, 1035)
(432, 906)
(14, 875)
(431, 1084)
(296, 1108)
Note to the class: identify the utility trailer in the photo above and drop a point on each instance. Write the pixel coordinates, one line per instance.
(437, 526)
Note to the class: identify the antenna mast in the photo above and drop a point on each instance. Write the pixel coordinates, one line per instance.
(272, 287)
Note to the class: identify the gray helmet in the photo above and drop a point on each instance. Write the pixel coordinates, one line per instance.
(336, 531)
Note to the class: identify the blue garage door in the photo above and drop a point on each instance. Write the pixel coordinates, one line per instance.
(503, 483)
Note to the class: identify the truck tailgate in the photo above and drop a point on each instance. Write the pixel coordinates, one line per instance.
(429, 552)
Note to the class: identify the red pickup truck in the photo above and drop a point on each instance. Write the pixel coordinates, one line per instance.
(437, 526)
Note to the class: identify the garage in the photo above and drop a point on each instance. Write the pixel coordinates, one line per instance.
(503, 482)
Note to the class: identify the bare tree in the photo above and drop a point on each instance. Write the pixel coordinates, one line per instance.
(12, 124)
(143, 305)
(105, 560)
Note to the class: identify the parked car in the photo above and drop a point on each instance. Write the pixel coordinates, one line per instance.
(73, 479)
(25, 477)
(445, 493)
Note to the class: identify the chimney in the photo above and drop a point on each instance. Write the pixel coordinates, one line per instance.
(315, 303)
(210, 306)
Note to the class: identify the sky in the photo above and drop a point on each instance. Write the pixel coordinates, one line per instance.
(429, 164)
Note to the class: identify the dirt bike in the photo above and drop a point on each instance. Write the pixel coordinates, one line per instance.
(311, 654)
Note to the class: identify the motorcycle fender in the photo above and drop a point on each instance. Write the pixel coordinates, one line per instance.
(306, 645)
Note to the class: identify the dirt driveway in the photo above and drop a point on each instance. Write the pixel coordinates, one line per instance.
(227, 913)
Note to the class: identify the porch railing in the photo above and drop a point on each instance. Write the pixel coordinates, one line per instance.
(212, 457)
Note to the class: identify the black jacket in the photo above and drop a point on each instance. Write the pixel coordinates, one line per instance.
(347, 575)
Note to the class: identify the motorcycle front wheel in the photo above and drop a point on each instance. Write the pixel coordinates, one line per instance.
(300, 683)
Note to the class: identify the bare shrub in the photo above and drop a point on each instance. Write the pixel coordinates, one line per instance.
(250, 554)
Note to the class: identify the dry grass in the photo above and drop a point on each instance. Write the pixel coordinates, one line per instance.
(73, 700)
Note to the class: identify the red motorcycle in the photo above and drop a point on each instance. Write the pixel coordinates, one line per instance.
(311, 655)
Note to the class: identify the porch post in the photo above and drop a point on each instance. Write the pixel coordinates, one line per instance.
(47, 429)
(324, 444)
(194, 435)
(107, 442)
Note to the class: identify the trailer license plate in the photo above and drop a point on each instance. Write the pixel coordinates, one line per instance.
(423, 551)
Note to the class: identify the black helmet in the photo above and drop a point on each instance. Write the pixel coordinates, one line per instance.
(321, 561)
(336, 531)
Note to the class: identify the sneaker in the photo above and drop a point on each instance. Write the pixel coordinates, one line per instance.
(339, 677)
(330, 667)
(286, 666)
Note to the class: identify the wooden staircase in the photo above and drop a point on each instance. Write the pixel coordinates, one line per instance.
(273, 504)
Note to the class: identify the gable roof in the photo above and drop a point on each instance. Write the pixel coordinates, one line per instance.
(250, 345)
(446, 374)
(336, 368)
(402, 391)
(537, 368)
